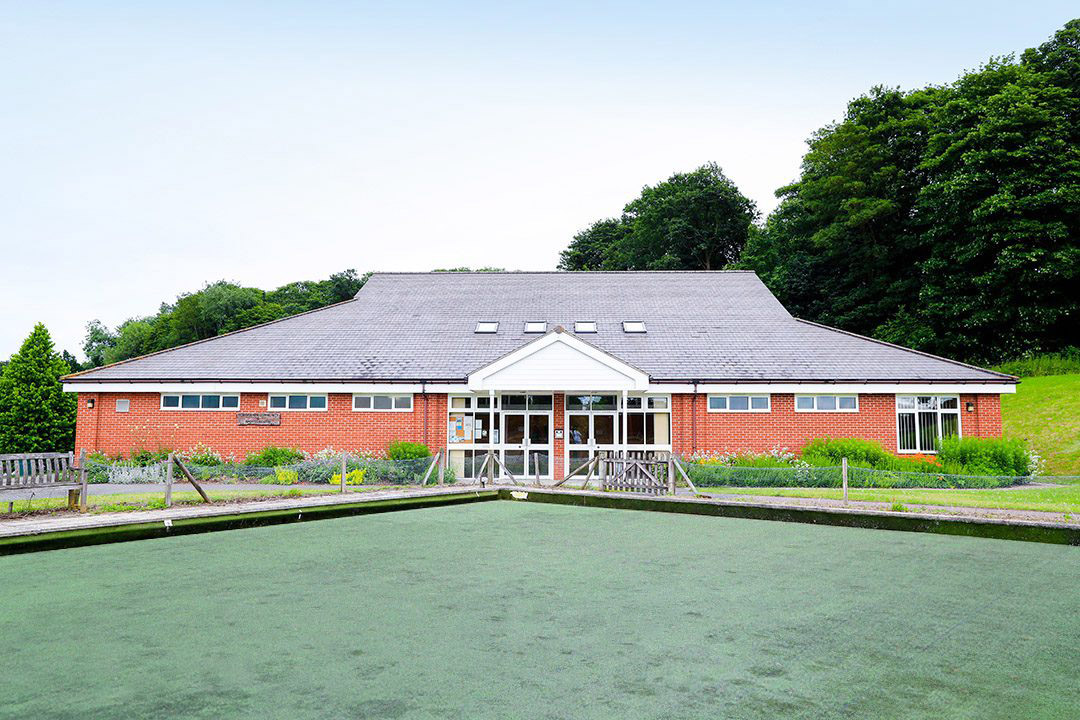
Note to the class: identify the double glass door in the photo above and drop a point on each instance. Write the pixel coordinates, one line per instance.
(526, 447)
(589, 434)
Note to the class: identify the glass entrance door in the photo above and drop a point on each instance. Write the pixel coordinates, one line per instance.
(526, 435)
(590, 434)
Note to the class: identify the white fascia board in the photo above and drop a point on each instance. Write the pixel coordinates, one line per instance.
(265, 387)
(839, 388)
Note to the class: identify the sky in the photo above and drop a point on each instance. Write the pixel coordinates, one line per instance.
(148, 148)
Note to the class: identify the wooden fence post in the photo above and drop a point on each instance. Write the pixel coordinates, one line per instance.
(82, 480)
(491, 468)
(843, 473)
(169, 481)
(344, 468)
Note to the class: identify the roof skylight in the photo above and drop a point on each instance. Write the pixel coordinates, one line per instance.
(633, 326)
(487, 326)
(535, 326)
(585, 326)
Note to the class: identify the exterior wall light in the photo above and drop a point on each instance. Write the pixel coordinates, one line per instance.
(90, 403)
(970, 407)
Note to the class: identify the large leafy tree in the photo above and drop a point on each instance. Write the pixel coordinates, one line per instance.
(35, 413)
(1001, 215)
(946, 218)
(595, 247)
(841, 246)
(692, 221)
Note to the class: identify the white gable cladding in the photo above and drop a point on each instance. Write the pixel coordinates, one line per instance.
(558, 361)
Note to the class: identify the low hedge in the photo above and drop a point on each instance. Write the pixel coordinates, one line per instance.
(832, 477)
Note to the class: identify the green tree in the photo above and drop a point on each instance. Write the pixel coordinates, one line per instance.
(692, 221)
(36, 415)
(947, 218)
(99, 340)
(841, 248)
(218, 308)
(592, 247)
(1001, 215)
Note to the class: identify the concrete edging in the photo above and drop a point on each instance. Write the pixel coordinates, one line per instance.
(226, 520)
(846, 517)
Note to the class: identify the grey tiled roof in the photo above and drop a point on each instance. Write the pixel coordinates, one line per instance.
(704, 326)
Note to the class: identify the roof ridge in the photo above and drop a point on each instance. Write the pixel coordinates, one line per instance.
(199, 342)
(907, 349)
(563, 272)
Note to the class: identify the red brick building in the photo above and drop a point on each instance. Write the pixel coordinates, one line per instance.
(546, 369)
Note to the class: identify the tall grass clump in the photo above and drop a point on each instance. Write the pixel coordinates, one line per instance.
(1066, 362)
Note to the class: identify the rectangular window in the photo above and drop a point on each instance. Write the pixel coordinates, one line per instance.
(739, 403)
(633, 326)
(535, 326)
(297, 402)
(591, 402)
(383, 403)
(827, 403)
(923, 421)
(487, 327)
(585, 326)
(123, 405)
(198, 402)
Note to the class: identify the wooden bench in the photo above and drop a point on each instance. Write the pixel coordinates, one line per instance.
(38, 471)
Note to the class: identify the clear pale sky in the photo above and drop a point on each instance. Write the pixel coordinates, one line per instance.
(147, 148)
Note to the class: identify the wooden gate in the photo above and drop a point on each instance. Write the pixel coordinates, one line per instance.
(640, 474)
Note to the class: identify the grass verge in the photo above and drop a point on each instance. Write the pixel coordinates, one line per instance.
(154, 501)
(1064, 499)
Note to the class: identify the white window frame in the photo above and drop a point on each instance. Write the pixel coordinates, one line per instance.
(634, 327)
(486, 327)
(750, 403)
(837, 409)
(270, 402)
(394, 397)
(585, 327)
(937, 411)
(536, 327)
(181, 408)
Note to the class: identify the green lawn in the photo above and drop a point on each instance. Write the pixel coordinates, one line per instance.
(522, 610)
(1045, 411)
(1051, 499)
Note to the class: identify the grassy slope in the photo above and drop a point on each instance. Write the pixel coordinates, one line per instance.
(1045, 411)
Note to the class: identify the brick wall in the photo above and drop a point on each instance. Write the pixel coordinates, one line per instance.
(147, 427)
(696, 429)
